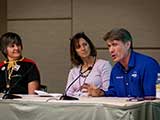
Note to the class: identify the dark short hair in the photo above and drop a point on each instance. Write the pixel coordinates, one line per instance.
(75, 58)
(9, 38)
(119, 34)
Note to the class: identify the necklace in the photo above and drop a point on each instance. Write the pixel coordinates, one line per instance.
(83, 75)
(10, 68)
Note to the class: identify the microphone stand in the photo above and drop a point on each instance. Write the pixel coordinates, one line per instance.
(65, 96)
(7, 94)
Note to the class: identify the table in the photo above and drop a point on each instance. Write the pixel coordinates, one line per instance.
(92, 108)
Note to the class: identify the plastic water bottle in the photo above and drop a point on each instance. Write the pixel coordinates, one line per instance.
(158, 86)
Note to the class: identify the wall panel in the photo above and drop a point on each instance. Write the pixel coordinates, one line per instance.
(23, 9)
(3, 18)
(140, 17)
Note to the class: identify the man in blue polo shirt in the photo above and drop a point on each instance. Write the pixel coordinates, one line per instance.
(134, 74)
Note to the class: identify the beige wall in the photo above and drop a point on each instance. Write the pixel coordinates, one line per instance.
(3, 13)
(3, 20)
(46, 26)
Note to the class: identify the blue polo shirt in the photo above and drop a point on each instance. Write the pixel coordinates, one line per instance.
(138, 81)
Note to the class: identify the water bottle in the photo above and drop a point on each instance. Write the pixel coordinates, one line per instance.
(158, 86)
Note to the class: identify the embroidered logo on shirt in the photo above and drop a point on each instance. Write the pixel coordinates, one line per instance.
(119, 77)
(134, 74)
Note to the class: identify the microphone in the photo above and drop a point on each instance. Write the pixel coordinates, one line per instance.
(7, 94)
(65, 96)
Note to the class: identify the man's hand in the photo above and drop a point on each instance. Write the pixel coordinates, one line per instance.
(92, 90)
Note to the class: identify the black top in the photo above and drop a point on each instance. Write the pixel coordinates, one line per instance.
(24, 72)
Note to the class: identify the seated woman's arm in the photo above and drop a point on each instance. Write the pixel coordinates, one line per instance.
(34, 85)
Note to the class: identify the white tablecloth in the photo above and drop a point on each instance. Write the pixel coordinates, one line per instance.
(87, 108)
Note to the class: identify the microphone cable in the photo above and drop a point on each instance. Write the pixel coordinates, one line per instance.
(65, 96)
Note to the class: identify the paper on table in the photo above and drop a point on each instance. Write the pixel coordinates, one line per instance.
(45, 94)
